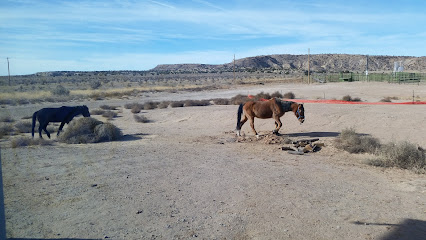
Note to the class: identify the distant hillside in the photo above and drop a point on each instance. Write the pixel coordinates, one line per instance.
(298, 63)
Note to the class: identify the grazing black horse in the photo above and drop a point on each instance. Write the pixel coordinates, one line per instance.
(63, 114)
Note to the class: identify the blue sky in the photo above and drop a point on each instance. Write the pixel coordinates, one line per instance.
(96, 35)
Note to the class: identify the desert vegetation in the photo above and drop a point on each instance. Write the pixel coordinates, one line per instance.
(401, 155)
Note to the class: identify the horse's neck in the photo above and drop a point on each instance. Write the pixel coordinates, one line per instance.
(286, 106)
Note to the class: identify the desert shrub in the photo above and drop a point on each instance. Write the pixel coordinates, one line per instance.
(95, 84)
(350, 99)
(107, 132)
(239, 99)
(150, 105)
(107, 107)
(88, 130)
(190, 103)
(26, 141)
(23, 126)
(109, 114)
(402, 155)
(60, 91)
(353, 142)
(263, 95)
(6, 119)
(386, 99)
(221, 101)
(276, 95)
(97, 112)
(136, 108)
(176, 104)
(141, 119)
(6, 129)
(164, 104)
(289, 95)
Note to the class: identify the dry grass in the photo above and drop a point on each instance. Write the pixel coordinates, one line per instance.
(150, 105)
(23, 126)
(97, 112)
(289, 95)
(176, 104)
(108, 107)
(89, 130)
(403, 155)
(353, 142)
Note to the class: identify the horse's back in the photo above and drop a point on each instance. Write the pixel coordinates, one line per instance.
(259, 109)
(53, 114)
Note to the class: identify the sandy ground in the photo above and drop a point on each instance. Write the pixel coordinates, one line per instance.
(186, 175)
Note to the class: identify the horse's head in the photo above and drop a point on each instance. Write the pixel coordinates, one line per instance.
(85, 111)
(299, 111)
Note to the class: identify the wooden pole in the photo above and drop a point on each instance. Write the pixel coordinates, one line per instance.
(8, 70)
(234, 68)
(309, 68)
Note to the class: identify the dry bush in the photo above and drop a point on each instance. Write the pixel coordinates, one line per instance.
(150, 105)
(221, 101)
(262, 95)
(402, 155)
(107, 132)
(109, 114)
(6, 119)
(348, 98)
(60, 91)
(97, 112)
(277, 95)
(176, 104)
(136, 108)
(26, 141)
(164, 104)
(23, 126)
(353, 142)
(289, 95)
(6, 129)
(141, 119)
(239, 99)
(190, 103)
(107, 107)
(89, 130)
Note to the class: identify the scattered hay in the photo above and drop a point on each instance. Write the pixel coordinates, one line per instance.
(6, 119)
(89, 130)
(107, 107)
(26, 141)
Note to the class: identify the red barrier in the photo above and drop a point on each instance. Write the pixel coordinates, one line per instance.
(344, 102)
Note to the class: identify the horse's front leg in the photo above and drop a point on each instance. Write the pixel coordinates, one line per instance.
(60, 128)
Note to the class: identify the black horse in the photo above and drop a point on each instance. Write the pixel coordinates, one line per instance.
(63, 114)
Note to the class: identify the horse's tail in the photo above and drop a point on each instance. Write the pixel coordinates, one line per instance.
(34, 122)
(240, 112)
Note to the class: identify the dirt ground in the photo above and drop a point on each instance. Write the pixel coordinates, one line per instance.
(186, 174)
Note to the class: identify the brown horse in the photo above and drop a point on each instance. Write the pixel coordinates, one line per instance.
(273, 108)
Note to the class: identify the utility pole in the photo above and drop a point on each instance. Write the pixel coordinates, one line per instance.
(8, 70)
(309, 68)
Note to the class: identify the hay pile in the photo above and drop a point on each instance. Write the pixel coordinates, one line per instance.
(89, 130)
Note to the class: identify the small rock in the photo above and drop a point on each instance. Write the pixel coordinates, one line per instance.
(94, 185)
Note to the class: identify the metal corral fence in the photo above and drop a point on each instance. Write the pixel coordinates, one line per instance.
(399, 77)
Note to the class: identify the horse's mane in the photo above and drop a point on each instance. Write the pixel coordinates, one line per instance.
(286, 105)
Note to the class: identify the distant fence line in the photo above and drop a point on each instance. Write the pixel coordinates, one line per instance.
(399, 77)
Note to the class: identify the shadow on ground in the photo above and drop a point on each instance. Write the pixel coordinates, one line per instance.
(408, 229)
